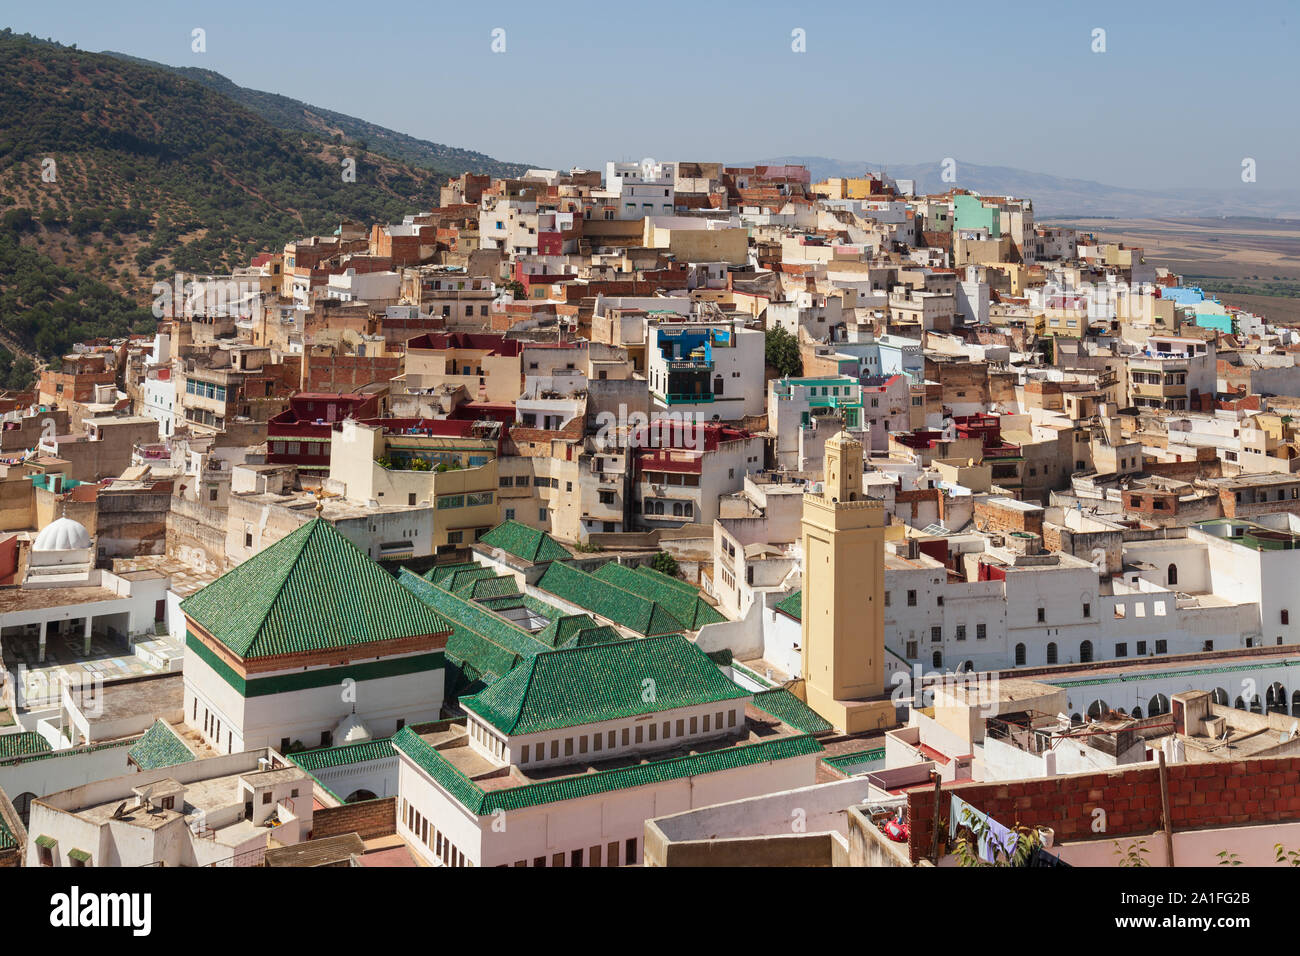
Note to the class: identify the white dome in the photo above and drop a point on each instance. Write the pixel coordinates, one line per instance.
(351, 731)
(62, 534)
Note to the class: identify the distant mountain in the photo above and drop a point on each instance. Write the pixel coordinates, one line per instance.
(300, 117)
(1055, 196)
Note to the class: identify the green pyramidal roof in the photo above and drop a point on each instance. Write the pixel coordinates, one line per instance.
(311, 590)
(585, 685)
(160, 747)
(525, 542)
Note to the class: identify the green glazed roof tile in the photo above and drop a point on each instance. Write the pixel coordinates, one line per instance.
(326, 757)
(684, 603)
(789, 709)
(791, 605)
(622, 607)
(311, 590)
(599, 682)
(525, 542)
(160, 747)
(482, 803)
(23, 744)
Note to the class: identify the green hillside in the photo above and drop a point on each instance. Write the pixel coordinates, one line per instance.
(153, 173)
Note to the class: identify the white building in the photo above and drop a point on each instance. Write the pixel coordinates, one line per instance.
(305, 640)
(528, 785)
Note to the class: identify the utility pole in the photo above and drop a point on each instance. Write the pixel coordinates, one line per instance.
(1164, 803)
(934, 834)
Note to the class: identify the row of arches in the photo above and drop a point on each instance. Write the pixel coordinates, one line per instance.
(1275, 701)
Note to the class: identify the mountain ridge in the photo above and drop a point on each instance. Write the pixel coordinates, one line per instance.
(1065, 197)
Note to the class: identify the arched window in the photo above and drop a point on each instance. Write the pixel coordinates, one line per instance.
(1051, 653)
(938, 659)
(1020, 655)
(1173, 574)
(1137, 713)
(1159, 704)
(1085, 652)
(677, 509)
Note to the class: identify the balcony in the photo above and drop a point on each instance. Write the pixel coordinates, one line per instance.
(680, 398)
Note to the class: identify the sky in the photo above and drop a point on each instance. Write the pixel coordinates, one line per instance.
(1180, 95)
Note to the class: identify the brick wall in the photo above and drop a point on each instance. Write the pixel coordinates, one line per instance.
(367, 819)
(1200, 795)
(346, 373)
(991, 517)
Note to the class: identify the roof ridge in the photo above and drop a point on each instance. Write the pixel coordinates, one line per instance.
(281, 578)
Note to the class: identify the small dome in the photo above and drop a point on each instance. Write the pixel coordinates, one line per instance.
(351, 731)
(62, 534)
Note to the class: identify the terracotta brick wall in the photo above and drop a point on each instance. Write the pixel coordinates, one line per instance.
(368, 819)
(1200, 795)
(990, 517)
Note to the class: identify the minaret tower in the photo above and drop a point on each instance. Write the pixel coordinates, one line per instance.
(843, 596)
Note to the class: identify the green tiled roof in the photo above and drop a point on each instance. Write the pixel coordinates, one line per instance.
(602, 634)
(81, 855)
(159, 747)
(563, 627)
(489, 644)
(311, 590)
(482, 803)
(325, 757)
(462, 582)
(622, 607)
(23, 745)
(439, 574)
(7, 841)
(47, 842)
(791, 605)
(786, 707)
(844, 761)
(504, 585)
(525, 542)
(685, 605)
(586, 685)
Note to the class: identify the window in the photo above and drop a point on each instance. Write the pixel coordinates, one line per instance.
(1161, 646)
(911, 650)
(887, 593)
(981, 632)
(911, 599)
(1020, 655)
(1042, 615)
(455, 537)
(1051, 653)
(1087, 609)
(1141, 647)
(630, 858)
(1121, 649)
(1085, 652)
(937, 659)
(1173, 574)
(936, 635)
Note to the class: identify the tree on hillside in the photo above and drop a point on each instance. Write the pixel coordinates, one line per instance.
(781, 352)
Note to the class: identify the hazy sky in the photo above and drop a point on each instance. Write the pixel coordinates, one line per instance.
(1181, 94)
